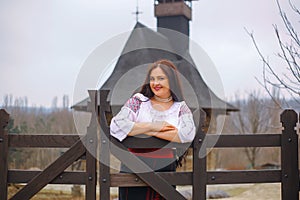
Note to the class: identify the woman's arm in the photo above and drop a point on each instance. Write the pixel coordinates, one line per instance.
(186, 128)
(170, 135)
(149, 128)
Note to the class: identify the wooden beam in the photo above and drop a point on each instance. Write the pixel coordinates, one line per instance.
(173, 9)
(199, 167)
(212, 178)
(215, 141)
(104, 154)
(25, 176)
(239, 177)
(132, 180)
(4, 117)
(249, 140)
(51, 172)
(43, 141)
(91, 147)
(223, 141)
(289, 156)
(199, 160)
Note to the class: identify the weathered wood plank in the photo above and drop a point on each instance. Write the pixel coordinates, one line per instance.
(132, 180)
(91, 178)
(178, 178)
(248, 176)
(199, 167)
(249, 140)
(51, 172)
(25, 176)
(213, 177)
(64, 141)
(216, 141)
(91, 147)
(43, 141)
(104, 154)
(289, 156)
(199, 160)
(4, 117)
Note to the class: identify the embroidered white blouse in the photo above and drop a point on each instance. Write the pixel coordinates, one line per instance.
(139, 109)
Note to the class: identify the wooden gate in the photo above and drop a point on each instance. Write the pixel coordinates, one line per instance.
(53, 174)
(162, 182)
(199, 178)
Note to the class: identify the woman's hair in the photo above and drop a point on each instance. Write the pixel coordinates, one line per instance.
(176, 92)
(171, 72)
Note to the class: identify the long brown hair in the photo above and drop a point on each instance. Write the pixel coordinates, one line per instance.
(176, 92)
(171, 72)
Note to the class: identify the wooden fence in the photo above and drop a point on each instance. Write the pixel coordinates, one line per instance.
(79, 146)
(162, 182)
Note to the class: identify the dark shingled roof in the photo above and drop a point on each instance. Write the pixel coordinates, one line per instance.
(146, 46)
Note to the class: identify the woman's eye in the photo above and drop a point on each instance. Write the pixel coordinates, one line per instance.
(151, 79)
(161, 78)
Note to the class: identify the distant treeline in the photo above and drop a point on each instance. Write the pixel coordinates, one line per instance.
(36, 120)
(22, 102)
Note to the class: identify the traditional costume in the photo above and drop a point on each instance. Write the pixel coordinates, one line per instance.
(139, 109)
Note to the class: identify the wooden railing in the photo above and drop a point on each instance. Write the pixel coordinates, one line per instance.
(162, 182)
(79, 146)
(199, 178)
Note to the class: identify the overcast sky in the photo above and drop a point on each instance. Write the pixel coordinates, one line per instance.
(44, 43)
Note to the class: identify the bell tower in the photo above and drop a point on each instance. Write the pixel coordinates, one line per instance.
(174, 15)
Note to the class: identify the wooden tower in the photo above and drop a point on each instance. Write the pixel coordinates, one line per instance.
(174, 15)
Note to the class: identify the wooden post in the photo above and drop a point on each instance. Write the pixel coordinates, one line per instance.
(211, 128)
(289, 156)
(199, 162)
(104, 154)
(4, 117)
(91, 148)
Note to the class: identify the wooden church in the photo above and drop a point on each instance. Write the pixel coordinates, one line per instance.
(170, 41)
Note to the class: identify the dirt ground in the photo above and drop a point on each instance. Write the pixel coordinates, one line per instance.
(270, 191)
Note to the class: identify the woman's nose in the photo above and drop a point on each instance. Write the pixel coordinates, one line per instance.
(155, 81)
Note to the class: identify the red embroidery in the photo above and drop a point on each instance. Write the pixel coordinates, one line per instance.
(134, 104)
(184, 109)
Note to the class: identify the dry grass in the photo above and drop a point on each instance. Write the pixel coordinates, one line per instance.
(46, 194)
(269, 191)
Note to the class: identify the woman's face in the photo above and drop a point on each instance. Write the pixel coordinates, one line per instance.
(159, 83)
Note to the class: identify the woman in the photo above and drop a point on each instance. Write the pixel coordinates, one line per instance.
(159, 110)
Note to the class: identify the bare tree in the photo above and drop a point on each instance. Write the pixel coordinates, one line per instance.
(289, 53)
(255, 117)
(65, 101)
(54, 103)
(7, 100)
